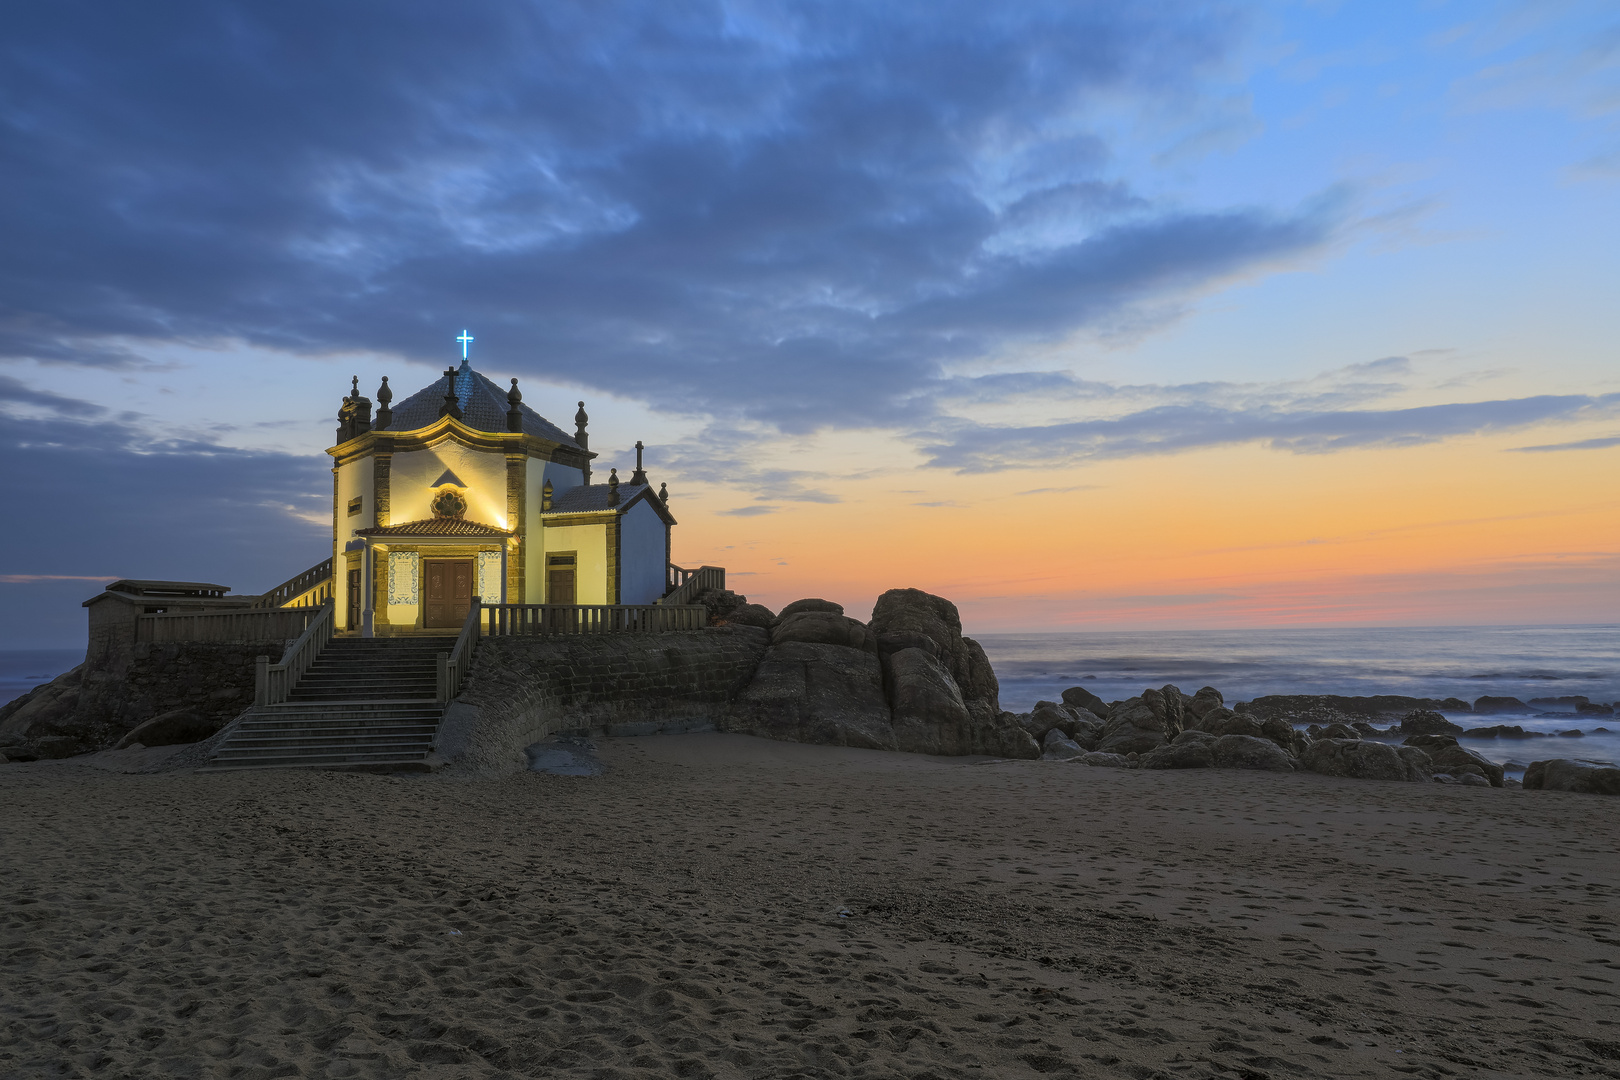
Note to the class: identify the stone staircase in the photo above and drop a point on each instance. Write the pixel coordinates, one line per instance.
(366, 703)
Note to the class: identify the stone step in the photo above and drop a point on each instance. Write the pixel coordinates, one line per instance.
(356, 744)
(364, 762)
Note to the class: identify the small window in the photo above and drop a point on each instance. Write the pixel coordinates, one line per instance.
(560, 560)
(354, 505)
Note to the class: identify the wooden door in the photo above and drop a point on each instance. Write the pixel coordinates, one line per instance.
(447, 591)
(353, 620)
(560, 585)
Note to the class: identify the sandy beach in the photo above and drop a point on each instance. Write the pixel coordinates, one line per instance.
(719, 905)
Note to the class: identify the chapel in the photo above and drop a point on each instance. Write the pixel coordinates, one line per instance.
(463, 491)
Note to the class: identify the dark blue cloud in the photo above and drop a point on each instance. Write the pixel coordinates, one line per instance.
(1169, 429)
(785, 213)
(97, 498)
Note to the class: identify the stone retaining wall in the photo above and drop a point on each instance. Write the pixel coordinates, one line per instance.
(91, 709)
(522, 689)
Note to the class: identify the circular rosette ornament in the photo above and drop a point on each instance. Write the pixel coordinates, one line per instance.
(449, 503)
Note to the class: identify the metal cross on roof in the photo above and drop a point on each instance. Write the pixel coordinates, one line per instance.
(464, 338)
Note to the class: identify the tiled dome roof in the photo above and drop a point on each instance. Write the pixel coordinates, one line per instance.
(483, 408)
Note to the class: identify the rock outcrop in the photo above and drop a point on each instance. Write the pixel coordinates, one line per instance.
(1562, 774)
(1445, 756)
(907, 681)
(816, 693)
(1363, 760)
(1428, 722)
(1250, 752)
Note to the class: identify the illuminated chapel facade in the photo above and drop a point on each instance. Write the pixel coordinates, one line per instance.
(463, 491)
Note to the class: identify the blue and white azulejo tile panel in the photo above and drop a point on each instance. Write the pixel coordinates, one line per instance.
(404, 571)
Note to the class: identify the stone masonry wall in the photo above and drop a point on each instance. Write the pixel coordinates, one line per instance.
(91, 709)
(522, 689)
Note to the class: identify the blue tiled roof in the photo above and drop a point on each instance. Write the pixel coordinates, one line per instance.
(483, 408)
(592, 498)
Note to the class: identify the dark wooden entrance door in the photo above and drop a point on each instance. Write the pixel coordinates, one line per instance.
(448, 591)
(353, 621)
(560, 586)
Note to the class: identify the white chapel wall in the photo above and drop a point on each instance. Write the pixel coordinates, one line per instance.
(562, 478)
(641, 555)
(355, 479)
(413, 471)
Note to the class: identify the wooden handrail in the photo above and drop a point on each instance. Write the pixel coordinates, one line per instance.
(454, 665)
(297, 585)
(240, 624)
(524, 620)
(685, 585)
(272, 683)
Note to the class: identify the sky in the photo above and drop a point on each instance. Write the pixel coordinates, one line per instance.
(1087, 316)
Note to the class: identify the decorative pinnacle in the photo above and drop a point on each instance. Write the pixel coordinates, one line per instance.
(640, 475)
(613, 487)
(513, 396)
(663, 493)
(354, 386)
(384, 395)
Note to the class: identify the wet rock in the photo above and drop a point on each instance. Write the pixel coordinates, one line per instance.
(1487, 706)
(1572, 733)
(1105, 761)
(816, 693)
(1190, 750)
(1059, 747)
(1562, 774)
(812, 604)
(823, 628)
(1427, 722)
(1472, 780)
(1219, 719)
(1249, 752)
(1499, 731)
(1340, 731)
(1594, 709)
(1460, 761)
(171, 729)
(1046, 716)
(1364, 760)
(1081, 698)
(1568, 702)
(1169, 704)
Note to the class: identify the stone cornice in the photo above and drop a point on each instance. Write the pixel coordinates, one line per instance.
(449, 429)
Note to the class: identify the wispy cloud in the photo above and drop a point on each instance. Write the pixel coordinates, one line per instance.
(1582, 444)
(969, 447)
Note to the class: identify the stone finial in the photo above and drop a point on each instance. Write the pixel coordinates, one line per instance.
(640, 475)
(580, 435)
(613, 487)
(514, 415)
(385, 415)
(354, 415)
(451, 406)
(663, 494)
(545, 497)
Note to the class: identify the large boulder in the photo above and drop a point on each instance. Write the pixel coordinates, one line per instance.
(1461, 761)
(1202, 702)
(1059, 747)
(1106, 761)
(823, 628)
(1081, 698)
(1046, 716)
(1561, 774)
(913, 611)
(896, 640)
(812, 604)
(816, 693)
(1489, 706)
(1190, 750)
(1364, 760)
(1428, 722)
(930, 717)
(1220, 720)
(1170, 705)
(1133, 727)
(171, 729)
(1249, 752)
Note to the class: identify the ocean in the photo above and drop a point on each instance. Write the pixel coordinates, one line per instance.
(1525, 662)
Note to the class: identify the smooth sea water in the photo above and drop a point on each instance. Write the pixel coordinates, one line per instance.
(1439, 662)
